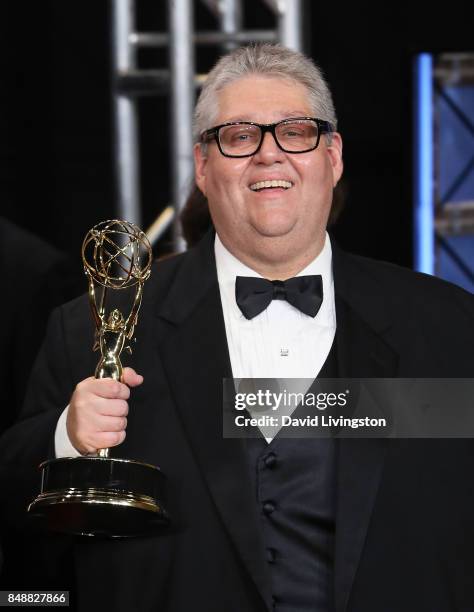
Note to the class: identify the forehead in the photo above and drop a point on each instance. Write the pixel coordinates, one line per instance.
(262, 99)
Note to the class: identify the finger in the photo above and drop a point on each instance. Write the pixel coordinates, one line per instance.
(110, 389)
(131, 378)
(113, 424)
(112, 407)
(109, 439)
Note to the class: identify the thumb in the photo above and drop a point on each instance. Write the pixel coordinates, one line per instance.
(131, 378)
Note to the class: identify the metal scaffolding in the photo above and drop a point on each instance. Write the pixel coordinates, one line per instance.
(444, 166)
(454, 167)
(179, 80)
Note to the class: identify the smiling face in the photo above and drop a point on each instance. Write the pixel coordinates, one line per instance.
(270, 210)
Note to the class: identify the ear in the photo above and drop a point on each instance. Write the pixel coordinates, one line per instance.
(335, 155)
(200, 162)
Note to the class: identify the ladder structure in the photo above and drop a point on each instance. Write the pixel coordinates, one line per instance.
(444, 167)
(178, 80)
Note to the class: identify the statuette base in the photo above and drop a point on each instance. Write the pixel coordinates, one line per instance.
(100, 503)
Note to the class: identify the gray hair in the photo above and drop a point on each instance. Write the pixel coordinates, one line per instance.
(268, 60)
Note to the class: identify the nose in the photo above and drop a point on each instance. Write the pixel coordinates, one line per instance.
(269, 152)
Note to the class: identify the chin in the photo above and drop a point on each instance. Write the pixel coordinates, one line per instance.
(273, 232)
(274, 226)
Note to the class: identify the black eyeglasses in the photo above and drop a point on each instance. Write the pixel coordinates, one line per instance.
(244, 138)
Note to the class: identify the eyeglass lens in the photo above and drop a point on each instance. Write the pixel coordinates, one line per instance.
(293, 136)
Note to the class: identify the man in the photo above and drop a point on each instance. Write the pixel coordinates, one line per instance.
(294, 526)
(36, 278)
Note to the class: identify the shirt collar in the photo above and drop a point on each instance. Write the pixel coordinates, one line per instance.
(229, 267)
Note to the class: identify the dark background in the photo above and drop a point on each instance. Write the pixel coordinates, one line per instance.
(56, 162)
(56, 141)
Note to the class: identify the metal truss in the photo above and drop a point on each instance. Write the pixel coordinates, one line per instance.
(454, 216)
(180, 81)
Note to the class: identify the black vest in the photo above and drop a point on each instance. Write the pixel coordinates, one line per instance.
(294, 483)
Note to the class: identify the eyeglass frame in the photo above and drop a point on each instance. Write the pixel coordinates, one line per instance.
(324, 127)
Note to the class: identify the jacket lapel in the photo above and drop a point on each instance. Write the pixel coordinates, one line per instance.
(196, 359)
(362, 322)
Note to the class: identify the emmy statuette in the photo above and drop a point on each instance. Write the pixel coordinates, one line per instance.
(100, 495)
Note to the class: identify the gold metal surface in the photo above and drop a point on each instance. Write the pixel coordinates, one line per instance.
(109, 459)
(97, 497)
(116, 255)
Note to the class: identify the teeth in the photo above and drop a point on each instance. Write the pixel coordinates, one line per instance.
(267, 184)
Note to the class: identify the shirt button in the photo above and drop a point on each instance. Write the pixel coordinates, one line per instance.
(271, 555)
(270, 460)
(268, 507)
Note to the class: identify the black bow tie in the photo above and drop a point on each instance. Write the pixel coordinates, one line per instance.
(253, 294)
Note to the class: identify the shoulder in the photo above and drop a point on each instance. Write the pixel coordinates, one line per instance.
(404, 287)
(420, 316)
(427, 321)
(162, 278)
(165, 268)
(25, 252)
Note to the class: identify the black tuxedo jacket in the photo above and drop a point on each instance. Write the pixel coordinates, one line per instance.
(405, 508)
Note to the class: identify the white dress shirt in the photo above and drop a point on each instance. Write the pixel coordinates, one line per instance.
(280, 342)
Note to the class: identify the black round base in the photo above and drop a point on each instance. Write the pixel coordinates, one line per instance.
(98, 496)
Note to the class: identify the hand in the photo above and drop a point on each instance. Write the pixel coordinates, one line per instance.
(97, 415)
